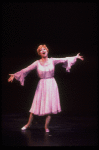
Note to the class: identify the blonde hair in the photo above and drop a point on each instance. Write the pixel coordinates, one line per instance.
(40, 47)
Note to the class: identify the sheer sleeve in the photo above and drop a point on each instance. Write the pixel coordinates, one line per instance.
(67, 62)
(20, 75)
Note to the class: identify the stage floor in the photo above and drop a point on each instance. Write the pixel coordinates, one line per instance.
(64, 131)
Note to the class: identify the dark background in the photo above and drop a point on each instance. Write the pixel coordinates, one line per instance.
(66, 29)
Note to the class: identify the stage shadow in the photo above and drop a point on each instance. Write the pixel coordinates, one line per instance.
(36, 137)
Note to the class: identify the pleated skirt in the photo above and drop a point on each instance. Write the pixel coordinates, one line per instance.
(46, 98)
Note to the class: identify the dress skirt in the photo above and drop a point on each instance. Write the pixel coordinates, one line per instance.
(46, 99)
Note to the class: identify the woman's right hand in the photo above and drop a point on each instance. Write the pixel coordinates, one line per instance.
(11, 78)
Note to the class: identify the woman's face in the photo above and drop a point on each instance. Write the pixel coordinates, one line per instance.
(43, 53)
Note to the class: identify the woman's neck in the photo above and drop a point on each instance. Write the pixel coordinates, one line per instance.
(44, 59)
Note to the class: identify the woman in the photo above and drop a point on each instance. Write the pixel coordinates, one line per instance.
(46, 99)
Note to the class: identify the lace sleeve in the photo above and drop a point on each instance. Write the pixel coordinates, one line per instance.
(20, 75)
(67, 62)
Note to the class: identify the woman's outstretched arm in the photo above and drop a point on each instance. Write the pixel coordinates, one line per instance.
(20, 75)
(67, 61)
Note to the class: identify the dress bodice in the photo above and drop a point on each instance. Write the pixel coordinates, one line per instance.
(45, 71)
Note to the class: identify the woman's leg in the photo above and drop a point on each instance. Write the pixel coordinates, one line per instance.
(29, 122)
(48, 118)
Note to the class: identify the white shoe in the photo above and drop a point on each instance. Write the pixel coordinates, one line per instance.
(47, 130)
(25, 127)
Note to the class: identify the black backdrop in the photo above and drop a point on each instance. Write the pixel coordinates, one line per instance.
(66, 28)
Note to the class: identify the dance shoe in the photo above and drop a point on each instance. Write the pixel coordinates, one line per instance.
(25, 127)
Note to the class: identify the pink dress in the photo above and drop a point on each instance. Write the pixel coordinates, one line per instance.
(46, 99)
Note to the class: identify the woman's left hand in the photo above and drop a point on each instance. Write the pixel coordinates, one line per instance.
(80, 57)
